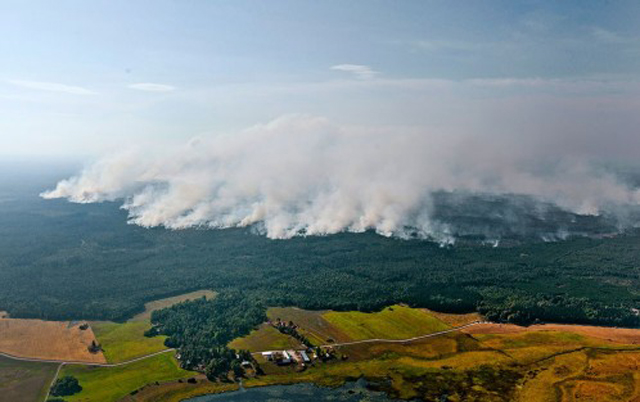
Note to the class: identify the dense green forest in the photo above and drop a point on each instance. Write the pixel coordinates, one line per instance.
(67, 261)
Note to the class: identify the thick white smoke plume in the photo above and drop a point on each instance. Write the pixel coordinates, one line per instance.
(303, 175)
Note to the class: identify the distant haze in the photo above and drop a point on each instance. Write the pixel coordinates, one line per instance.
(302, 174)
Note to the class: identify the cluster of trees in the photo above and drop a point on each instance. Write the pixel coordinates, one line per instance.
(65, 386)
(292, 330)
(202, 328)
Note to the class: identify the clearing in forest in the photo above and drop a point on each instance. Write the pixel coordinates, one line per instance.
(264, 338)
(24, 381)
(48, 340)
(159, 304)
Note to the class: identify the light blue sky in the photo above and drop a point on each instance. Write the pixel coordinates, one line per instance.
(85, 77)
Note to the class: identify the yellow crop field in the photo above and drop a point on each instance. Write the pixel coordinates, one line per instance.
(47, 340)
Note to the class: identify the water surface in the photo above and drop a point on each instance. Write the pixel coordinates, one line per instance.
(350, 392)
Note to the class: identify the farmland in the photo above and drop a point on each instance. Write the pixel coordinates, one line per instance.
(125, 341)
(395, 322)
(484, 362)
(489, 362)
(109, 384)
(48, 340)
(265, 337)
(24, 381)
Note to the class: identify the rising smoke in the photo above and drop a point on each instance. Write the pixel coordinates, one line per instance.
(303, 175)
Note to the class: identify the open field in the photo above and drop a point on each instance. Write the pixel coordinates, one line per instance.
(265, 337)
(312, 324)
(455, 320)
(125, 341)
(47, 340)
(24, 381)
(539, 363)
(170, 301)
(108, 384)
(628, 336)
(395, 322)
(588, 375)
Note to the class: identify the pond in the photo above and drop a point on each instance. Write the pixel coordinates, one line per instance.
(350, 392)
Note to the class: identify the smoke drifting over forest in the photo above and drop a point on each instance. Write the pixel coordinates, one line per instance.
(304, 175)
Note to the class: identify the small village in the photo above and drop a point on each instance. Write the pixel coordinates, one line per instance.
(301, 358)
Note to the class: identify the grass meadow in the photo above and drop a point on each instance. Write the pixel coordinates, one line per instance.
(125, 341)
(395, 322)
(110, 384)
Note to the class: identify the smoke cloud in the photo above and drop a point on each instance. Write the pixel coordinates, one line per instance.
(304, 175)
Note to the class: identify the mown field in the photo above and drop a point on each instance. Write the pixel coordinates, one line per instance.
(48, 340)
(24, 381)
(395, 322)
(125, 341)
(109, 384)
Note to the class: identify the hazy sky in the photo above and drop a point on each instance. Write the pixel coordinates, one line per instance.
(86, 77)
